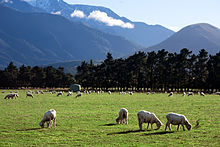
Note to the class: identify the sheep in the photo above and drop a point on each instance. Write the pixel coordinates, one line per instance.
(184, 94)
(148, 93)
(130, 92)
(171, 94)
(37, 92)
(190, 93)
(177, 119)
(78, 95)
(69, 93)
(202, 93)
(109, 92)
(217, 93)
(59, 93)
(11, 95)
(122, 116)
(48, 117)
(30, 95)
(41, 92)
(148, 117)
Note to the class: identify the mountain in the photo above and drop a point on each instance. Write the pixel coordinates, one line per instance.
(194, 37)
(105, 20)
(40, 38)
(20, 5)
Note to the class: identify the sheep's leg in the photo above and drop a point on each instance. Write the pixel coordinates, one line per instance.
(178, 127)
(48, 124)
(183, 127)
(54, 121)
(126, 120)
(169, 127)
(151, 126)
(140, 124)
(147, 125)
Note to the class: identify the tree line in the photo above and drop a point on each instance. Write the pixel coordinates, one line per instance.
(35, 77)
(153, 71)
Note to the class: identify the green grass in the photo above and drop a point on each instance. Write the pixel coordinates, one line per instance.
(88, 121)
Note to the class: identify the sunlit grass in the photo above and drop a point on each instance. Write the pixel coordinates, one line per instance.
(90, 120)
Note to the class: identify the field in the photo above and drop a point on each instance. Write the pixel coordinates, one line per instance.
(90, 120)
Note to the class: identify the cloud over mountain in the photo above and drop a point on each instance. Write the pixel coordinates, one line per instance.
(110, 21)
(78, 13)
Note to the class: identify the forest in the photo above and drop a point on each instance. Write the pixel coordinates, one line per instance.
(152, 71)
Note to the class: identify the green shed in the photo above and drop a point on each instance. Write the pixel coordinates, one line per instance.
(75, 87)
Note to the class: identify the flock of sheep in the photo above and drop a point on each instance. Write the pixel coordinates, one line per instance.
(151, 118)
(143, 116)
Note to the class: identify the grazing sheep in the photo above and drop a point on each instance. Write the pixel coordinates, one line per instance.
(11, 95)
(130, 92)
(3, 91)
(41, 92)
(171, 94)
(148, 117)
(184, 93)
(59, 93)
(177, 119)
(109, 92)
(37, 92)
(122, 116)
(217, 93)
(148, 93)
(48, 117)
(78, 95)
(202, 93)
(69, 93)
(190, 93)
(30, 95)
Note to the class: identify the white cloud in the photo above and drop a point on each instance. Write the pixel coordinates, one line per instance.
(56, 13)
(78, 13)
(103, 17)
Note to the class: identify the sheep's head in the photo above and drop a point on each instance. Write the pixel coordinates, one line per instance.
(188, 125)
(159, 124)
(41, 124)
(117, 120)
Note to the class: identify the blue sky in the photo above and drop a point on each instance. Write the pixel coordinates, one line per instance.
(173, 14)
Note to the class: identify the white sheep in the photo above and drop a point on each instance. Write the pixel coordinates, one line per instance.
(177, 119)
(122, 116)
(69, 93)
(30, 95)
(148, 117)
(130, 92)
(202, 93)
(78, 95)
(109, 92)
(59, 93)
(217, 93)
(11, 95)
(184, 93)
(148, 93)
(48, 117)
(170, 94)
(190, 93)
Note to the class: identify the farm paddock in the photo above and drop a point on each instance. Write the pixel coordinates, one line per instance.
(90, 120)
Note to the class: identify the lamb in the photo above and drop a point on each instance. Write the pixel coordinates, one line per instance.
(122, 116)
(177, 119)
(148, 117)
(11, 95)
(171, 94)
(48, 117)
(78, 95)
(30, 95)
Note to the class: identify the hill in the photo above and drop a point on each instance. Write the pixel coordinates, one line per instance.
(40, 38)
(194, 37)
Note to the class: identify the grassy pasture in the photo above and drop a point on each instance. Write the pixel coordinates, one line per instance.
(90, 120)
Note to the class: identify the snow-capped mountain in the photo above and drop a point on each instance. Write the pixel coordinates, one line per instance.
(104, 19)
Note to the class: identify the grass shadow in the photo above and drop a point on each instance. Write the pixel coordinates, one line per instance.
(126, 132)
(110, 124)
(29, 129)
(158, 133)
